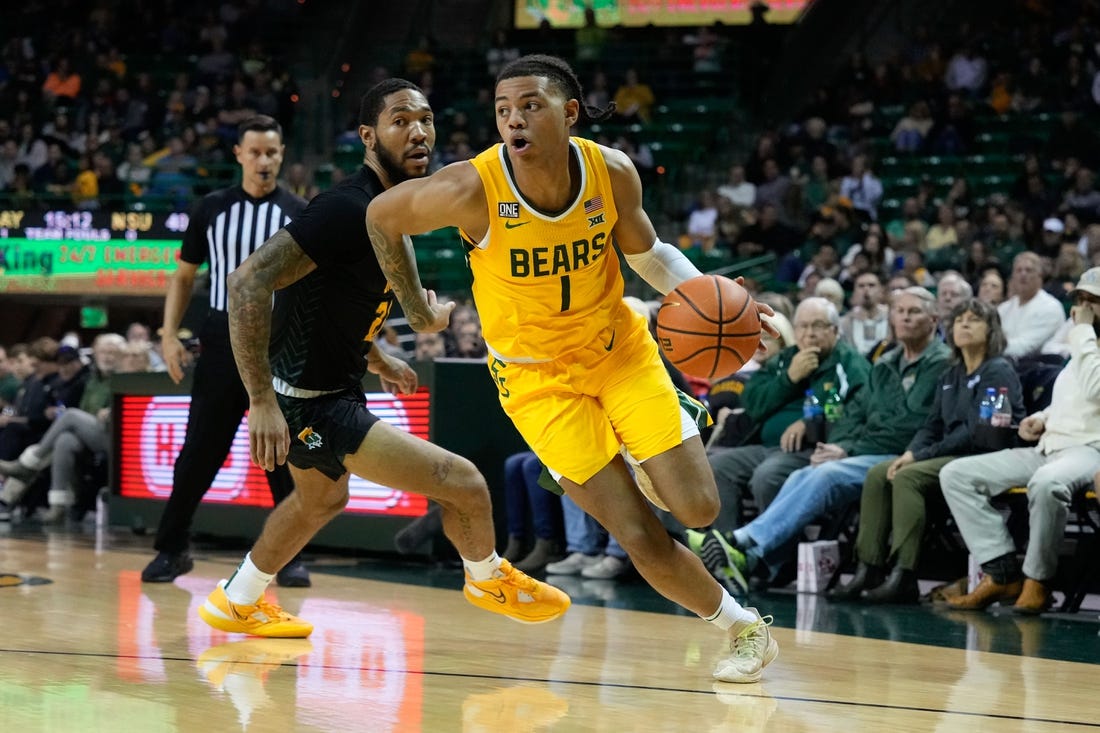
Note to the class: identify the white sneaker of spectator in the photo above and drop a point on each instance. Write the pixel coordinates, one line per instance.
(573, 564)
(607, 568)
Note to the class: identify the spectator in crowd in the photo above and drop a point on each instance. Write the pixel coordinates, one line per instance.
(876, 426)
(991, 287)
(525, 501)
(1050, 238)
(966, 71)
(911, 130)
(77, 433)
(766, 233)
(772, 190)
(780, 441)
(951, 290)
(1032, 315)
(10, 379)
(832, 291)
(942, 233)
(739, 191)
(500, 52)
(469, 343)
(862, 188)
(62, 85)
(429, 347)
(589, 40)
(892, 505)
(702, 229)
(953, 131)
(867, 322)
(1064, 461)
(1083, 200)
(634, 99)
(592, 552)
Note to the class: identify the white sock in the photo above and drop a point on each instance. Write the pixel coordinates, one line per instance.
(482, 569)
(729, 612)
(248, 584)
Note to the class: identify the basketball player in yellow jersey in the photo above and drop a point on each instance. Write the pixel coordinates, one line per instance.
(576, 369)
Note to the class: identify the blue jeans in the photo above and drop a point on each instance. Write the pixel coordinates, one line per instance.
(807, 494)
(522, 490)
(584, 534)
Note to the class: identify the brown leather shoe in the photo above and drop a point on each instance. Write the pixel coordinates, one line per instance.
(1034, 599)
(986, 594)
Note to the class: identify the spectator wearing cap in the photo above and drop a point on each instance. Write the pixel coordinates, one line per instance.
(68, 388)
(1032, 315)
(1063, 462)
(1051, 238)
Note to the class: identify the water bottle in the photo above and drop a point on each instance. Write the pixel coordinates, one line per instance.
(834, 408)
(813, 415)
(1002, 410)
(985, 410)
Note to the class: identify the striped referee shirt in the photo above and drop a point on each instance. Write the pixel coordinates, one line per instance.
(228, 225)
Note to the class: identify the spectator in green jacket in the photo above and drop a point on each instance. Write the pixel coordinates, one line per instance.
(773, 403)
(877, 426)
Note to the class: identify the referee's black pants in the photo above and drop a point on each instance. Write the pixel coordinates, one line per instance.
(218, 402)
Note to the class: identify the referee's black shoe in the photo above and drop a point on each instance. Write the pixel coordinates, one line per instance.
(167, 566)
(294, 574)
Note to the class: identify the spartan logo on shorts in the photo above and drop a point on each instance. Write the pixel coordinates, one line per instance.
(310, 438)
(508, 209)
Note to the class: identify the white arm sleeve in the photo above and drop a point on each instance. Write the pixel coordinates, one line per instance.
(663, 266)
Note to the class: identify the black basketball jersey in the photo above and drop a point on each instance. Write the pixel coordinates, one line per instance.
(228, 225)
(323, 324)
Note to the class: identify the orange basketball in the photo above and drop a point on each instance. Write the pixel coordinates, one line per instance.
(708, 326)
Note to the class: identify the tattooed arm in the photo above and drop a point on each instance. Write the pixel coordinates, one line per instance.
(275, 265)
(453, 197)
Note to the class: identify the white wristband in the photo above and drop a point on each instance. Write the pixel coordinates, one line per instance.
(663, 266)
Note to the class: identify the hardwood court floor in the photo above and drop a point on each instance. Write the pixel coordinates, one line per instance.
(95, 650)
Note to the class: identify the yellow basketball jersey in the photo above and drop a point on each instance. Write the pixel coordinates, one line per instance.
(545, 284)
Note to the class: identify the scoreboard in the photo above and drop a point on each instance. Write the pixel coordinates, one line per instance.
(88, 252)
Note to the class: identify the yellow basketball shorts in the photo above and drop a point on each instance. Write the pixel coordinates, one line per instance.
(576, 411)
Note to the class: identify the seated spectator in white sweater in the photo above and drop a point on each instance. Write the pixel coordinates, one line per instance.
(1032, 315)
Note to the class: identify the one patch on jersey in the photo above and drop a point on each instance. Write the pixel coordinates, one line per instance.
(593, 204)
(597, 219)
(11, 580)
(508, 209)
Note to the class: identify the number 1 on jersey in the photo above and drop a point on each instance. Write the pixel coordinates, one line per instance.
(564, 293)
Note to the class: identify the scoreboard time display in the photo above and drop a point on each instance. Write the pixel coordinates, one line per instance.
(88, 252)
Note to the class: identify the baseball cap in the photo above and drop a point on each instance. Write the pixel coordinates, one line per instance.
(1054, 224)
(67, 355)
(1089, 282)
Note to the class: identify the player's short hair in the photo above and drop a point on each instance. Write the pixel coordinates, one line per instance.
(259, 123)
(373, 102)
(560, 74)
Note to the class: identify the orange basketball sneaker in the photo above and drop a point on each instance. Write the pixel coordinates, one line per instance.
(261, 618)
(517, 596)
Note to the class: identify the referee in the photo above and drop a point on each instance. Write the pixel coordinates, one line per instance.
(225, 228)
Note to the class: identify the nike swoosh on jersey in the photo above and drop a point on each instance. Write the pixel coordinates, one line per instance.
(513, 225)
(608, 346)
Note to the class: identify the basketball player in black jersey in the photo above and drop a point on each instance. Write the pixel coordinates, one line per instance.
(225, 228)
(302, 365)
